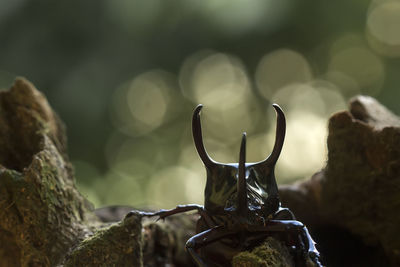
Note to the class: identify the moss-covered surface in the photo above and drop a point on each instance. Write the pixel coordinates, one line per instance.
(116, 245)
(271, 253)
(38, 197)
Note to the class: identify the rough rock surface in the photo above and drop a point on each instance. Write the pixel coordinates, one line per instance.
(42, 215)
(270, 253)
(38, 197)
(116, 245)
(351, 205)
(362, 178)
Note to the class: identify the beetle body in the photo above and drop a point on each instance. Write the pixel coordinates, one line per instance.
(242, 206)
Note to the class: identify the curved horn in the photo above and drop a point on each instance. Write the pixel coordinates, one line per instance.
(279, 137)
(198, 138)
(241, 183)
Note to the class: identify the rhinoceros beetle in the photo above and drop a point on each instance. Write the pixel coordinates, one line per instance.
(242, 207)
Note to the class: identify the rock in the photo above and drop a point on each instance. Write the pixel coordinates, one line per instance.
(270, 253)
(351, 205)
(117, 245)
(361, 185)
(42, 214)
(164, 241)
(38, 197)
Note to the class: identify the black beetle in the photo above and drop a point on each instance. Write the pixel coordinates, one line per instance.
(242, 206)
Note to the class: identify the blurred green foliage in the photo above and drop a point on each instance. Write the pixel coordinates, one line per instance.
(125, 76)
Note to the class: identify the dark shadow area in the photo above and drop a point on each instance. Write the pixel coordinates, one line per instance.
(339, 248)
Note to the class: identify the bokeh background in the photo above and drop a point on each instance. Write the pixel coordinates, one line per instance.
(125, 76)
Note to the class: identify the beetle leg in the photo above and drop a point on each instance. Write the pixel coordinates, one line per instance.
(294, 227)
(203, 239)
(179, 209)
(284, 214)
(312, 250)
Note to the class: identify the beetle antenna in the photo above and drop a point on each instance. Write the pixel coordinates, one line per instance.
(241, 184)
(198, 138)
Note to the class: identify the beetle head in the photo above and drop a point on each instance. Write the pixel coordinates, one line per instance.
(253, 184)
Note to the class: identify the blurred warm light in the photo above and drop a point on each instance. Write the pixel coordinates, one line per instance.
(170, 186)
(315, 59)
(280, 68)
(307, 107)
(118, 189)
(218, 81)
(89, 192)
(383, 24)
(84, 173)
(121, 185)
(146, 102)
(347, 40)
(363, 66)
(226, 127)
(300, 97)
(237, 16)
(345, 84)
(329, 93)
(220, 150)
(189, 159)
(140, 106)
(133, 166)
(304, 151)
(130, 156)
(319, 97)
(260, 145)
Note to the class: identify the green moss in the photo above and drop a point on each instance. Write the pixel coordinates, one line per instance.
(116, 245)
(271, 253)
(39, 202)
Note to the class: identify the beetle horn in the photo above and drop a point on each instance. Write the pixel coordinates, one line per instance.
(279, 137)
(198, 139)
(241, 183)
